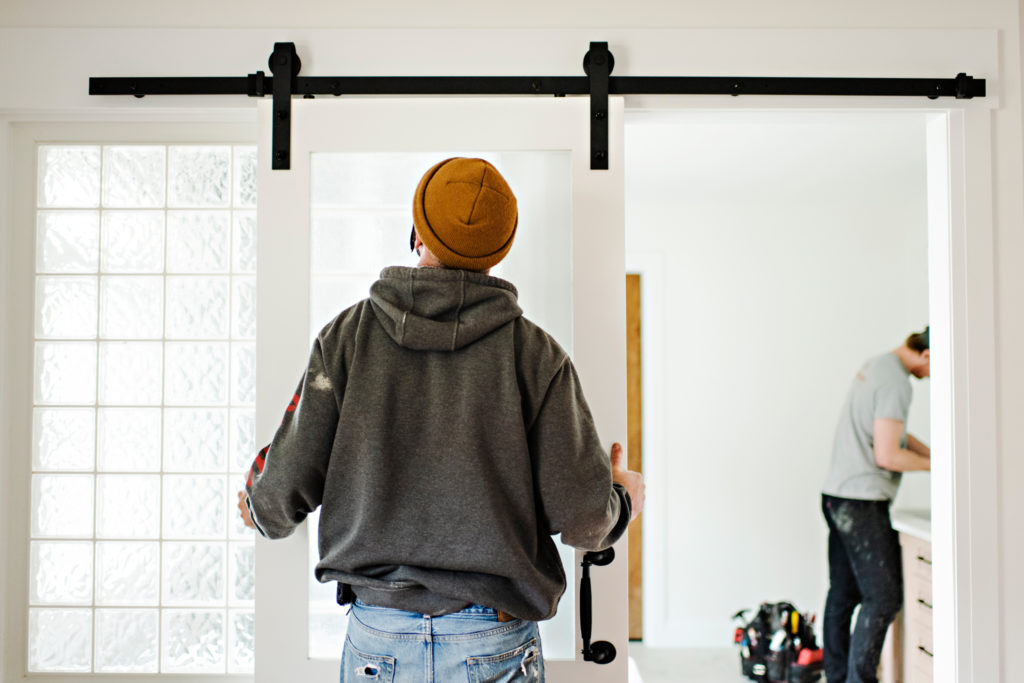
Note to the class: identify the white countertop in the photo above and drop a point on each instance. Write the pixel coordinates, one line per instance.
(915, 522)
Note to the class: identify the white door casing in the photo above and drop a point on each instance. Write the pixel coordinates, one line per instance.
(598, 319)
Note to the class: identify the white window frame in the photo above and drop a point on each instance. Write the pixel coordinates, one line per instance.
(17, 400)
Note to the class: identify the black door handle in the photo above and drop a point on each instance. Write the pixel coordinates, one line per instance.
(601, 652)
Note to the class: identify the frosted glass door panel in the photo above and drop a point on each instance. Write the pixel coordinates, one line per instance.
(361, 217)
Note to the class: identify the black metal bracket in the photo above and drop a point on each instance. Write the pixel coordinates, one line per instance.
(598, 64)
(600, 652)
(285, 64)
(597, 83)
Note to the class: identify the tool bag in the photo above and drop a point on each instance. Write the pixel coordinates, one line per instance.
(778, 645)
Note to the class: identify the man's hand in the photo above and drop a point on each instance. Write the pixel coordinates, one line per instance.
(632, 481)
(915, 445)
(243, 510)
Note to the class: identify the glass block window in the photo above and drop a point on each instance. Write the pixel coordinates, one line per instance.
(145, 325)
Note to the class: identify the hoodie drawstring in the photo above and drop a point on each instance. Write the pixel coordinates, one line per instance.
(458, 311)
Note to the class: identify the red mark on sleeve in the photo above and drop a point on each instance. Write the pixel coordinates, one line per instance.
(257, 465)
(261, 459)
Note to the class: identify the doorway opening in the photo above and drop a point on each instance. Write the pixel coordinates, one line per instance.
(777, 251)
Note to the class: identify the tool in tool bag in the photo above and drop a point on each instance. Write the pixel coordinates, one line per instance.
(778, 645)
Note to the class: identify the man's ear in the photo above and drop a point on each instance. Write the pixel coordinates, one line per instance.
(926, 355)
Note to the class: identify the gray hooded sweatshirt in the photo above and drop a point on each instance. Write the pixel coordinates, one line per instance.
(447, 439)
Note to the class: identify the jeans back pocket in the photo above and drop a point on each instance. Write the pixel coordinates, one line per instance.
(521, 664)
(360, 667)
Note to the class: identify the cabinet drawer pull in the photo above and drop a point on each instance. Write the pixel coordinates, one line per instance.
(923, 649)
(926, 604)
(924, 559)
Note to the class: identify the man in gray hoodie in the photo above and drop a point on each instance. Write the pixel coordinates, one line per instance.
(447, 440)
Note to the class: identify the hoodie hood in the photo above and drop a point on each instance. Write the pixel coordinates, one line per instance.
(441, 309)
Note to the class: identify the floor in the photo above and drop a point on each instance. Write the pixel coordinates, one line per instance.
(684, 665)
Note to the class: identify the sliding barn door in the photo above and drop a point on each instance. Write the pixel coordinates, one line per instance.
(341, 213)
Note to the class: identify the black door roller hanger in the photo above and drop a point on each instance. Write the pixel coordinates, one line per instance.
(597, 82)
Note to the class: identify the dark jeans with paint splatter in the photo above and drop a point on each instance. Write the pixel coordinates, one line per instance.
(864, 569)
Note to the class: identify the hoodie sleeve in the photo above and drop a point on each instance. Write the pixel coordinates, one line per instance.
(286, 480)
(572, 469)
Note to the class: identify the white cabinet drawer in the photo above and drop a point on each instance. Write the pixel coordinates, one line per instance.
(917, 558)
(919, 633)
(917, 598)
(919, 666)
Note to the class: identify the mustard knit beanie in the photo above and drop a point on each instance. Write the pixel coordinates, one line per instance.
(465, 213)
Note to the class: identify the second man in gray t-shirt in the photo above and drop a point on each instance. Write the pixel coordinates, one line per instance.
(870, 451)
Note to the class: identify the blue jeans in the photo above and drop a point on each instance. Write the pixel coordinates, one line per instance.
(865, 568)
(387, 645)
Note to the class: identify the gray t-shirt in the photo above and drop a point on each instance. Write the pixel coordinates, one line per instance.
(880, 390)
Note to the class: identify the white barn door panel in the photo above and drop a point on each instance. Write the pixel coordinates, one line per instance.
(342, 212)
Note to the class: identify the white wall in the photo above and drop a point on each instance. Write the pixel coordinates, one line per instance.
(793, 247)
(5, 269)
(523, 14)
